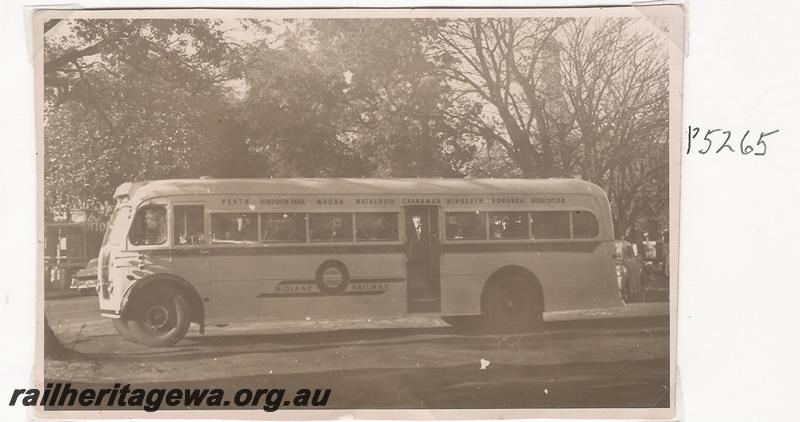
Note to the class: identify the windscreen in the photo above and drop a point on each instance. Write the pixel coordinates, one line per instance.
(117, 226)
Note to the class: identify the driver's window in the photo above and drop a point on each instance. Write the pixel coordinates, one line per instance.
(149, 226)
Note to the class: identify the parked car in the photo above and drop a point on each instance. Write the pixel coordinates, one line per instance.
(85, 280)
(629, 271)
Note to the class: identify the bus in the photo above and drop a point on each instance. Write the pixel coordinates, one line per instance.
(497, 253)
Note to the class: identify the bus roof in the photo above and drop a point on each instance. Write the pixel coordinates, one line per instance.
(142, 191)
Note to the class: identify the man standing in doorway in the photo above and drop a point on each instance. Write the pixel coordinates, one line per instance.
(418, 249)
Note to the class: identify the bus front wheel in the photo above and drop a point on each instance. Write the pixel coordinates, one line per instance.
(125, 329)
(159, 319)
(511, 304)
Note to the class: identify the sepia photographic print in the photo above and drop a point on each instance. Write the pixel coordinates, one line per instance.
(369, 213)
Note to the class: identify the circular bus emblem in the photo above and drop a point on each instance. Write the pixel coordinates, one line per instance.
(332, 277)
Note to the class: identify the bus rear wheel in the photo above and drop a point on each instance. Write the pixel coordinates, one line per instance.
(510, 305)
(159, 319)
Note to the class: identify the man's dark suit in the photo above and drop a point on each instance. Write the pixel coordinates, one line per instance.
(418, 252)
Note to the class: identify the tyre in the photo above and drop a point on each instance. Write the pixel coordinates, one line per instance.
(512, 304)
(160, 318)
(124, 327)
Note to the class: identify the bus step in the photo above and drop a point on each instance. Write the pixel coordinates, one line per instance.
(423, 307)
(423, 299)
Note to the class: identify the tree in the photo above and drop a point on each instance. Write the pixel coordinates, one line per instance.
(566, 98)
(501, 97)
(616, 77)
(396, 102)
(133, 99)
(295, 106)
(352, 98)
(500, 68)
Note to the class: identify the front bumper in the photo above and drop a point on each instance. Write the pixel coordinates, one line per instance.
(81, 284)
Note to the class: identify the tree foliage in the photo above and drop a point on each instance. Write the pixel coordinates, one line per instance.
(131, 100)
(397, 101)
(295, 105)
(147, 99)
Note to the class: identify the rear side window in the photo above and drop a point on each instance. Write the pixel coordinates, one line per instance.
(149, 226)
(188, 225)
(584, 224)
(465, 225)
(508, 225)
(550, 224)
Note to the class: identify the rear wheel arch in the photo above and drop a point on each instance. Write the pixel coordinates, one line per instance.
(179, 284)
(515, 271)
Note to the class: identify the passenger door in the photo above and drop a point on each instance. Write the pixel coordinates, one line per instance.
(423, 252)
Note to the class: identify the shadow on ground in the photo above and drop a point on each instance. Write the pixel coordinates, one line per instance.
(637, 384)
(222, 345)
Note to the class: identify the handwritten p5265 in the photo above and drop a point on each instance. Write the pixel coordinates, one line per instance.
(722, 140)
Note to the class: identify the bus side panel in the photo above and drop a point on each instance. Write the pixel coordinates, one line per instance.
(234, 300)
(463, 277)
(133, 266)
(578, 279)
(571, 277)
(236, 278)
(193, 267)
(283, 287)
(376, 289)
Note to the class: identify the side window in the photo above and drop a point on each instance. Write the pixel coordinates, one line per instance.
(465, 225)
(584, 224)
(188, 225)
(331, 227)
(550, 224)
(149, 226)
(234, 228)
(508, 225)
(283, 228)
(377, 226)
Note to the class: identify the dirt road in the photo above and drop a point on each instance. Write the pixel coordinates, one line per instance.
(609, 358)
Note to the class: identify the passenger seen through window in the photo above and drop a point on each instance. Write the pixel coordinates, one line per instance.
(234, 228)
